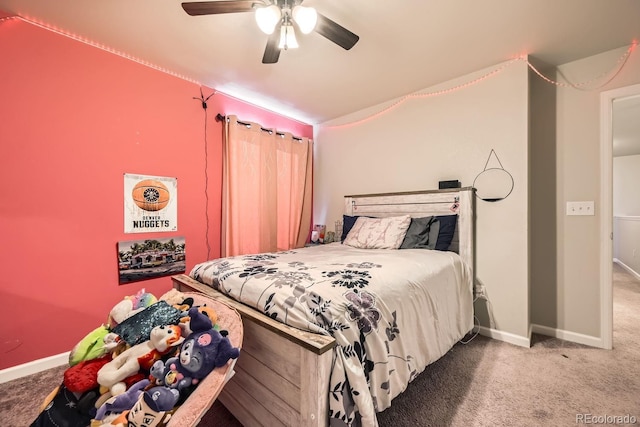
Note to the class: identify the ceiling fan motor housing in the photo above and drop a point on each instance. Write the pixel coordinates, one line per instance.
(277, 21)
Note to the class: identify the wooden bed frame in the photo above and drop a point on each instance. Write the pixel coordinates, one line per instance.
(282, 375)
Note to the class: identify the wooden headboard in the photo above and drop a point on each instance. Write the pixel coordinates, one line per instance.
(460, 201)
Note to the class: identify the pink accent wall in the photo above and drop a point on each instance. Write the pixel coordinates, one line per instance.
(73, 120)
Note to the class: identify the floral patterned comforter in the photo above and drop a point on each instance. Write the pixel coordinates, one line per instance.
(392, 312)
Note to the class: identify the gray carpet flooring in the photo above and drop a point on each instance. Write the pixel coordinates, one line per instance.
(482, 383)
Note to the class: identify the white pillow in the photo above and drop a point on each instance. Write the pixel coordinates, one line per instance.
(378, 233)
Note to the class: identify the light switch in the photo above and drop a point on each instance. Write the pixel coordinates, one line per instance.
(581, 208)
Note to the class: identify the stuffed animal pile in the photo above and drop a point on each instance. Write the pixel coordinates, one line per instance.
(140, 366)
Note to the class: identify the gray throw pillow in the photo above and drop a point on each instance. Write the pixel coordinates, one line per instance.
(422, 233)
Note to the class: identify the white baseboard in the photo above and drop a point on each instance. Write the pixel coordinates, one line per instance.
(626, 267)
(568, 336)
(33, 367)
(505, 336)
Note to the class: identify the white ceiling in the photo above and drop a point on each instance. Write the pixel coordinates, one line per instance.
(404, 46)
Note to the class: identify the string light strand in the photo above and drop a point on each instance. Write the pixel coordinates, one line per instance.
(400, 101)
(464, 85)
(7, 18)
(579, 86)
(102, 47)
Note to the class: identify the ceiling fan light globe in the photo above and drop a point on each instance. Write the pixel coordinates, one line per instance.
(287, 38)
(305, 17)
(267, 18)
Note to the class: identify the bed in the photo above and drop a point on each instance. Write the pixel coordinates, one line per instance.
(332, 333)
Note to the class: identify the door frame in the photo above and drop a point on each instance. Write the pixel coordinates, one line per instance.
(606, 203)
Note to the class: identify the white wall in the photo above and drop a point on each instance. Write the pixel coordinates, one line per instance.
(626, 248)
(626, 211)
(542, 192)
(448, 136)
(626, 192)
(579, 238)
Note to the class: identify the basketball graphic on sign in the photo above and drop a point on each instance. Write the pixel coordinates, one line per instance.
(150, 195)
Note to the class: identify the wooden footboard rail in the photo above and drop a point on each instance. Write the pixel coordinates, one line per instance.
(282, 374)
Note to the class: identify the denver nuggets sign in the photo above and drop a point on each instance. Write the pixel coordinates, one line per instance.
(150, 203)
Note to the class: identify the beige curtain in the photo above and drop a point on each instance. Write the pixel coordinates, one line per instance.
(266, 189)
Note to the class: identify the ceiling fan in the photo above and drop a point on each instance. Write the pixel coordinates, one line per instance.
(277, 18)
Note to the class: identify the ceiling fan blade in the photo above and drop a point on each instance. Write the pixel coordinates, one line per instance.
(272, 51)
(336, 32)
(216, 7)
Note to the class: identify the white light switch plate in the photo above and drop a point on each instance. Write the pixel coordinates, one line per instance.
(581, 208)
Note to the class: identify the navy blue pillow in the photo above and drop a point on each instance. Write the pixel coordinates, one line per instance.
(347, 224)
(447, 229)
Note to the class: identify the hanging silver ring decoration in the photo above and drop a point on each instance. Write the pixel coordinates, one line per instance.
(493, 184)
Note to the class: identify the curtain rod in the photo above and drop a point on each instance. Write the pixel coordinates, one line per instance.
(220, 117)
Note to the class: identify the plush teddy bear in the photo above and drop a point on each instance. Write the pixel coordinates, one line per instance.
(126, 384)
(166, 374)
(129, 306)
(153, 408)
(184, 303)
(141, 356)
(201, 352)
(122, 402)
(175, 298)
(185, 321)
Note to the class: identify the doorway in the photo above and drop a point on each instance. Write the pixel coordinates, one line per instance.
(606, 202)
